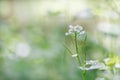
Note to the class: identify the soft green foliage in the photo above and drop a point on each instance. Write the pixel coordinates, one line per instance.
(33, 44)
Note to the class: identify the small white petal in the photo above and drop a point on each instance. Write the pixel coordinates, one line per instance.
(97, 66)
(82, 32)
(70, 30)
(80, 27)
(106, 60)
(93, 64)
(76, 30)
(74, 55)
(66, 33)
(70, 26)
(117, 65)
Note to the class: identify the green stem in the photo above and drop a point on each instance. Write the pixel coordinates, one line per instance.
(84, 60)
(84, 56)
(84, 74)
(78, 57)
(76, 47)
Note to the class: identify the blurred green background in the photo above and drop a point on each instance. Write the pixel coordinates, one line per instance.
(32, 37)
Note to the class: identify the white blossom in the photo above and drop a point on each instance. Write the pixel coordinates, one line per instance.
(117, 65)
(22, 49)
(74, 55)
(82, 32)
(75, 29)
(93, 64)
(106, 60)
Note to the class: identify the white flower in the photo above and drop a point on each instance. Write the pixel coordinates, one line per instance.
(74, 55)
(66, 33)
(22, 49)
(106, 60)
(82, 32)
(71, 27)
(78, 28)
(75, 29)
(93, 64)
(117, 65)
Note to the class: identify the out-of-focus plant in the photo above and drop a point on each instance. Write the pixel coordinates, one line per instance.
(77, 32)
(112, 63)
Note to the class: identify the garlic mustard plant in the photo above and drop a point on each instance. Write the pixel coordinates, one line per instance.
(77, 31)
(111, 64)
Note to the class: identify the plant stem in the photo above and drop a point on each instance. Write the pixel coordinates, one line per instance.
(84, 59)
(84, 74)
(77, 52)
(78, 57)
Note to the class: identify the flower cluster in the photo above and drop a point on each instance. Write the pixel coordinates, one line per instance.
(75, 29)
(93, 64)
(114, 62)
(110, 65)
